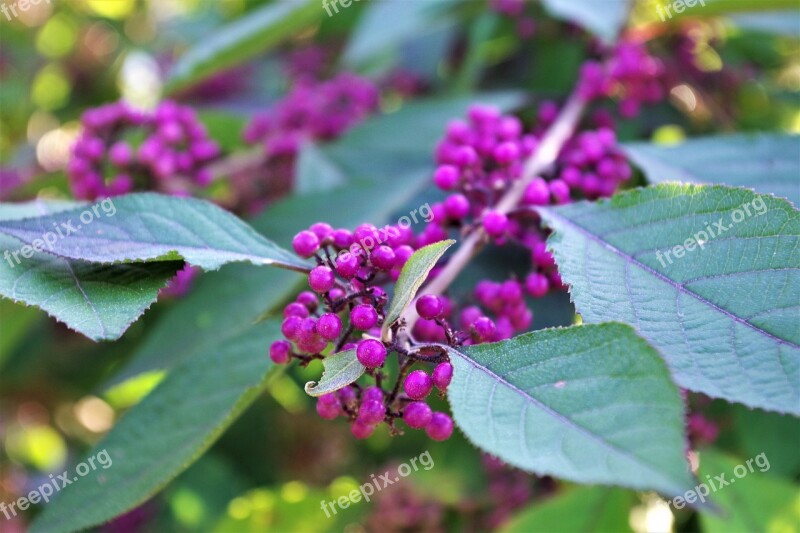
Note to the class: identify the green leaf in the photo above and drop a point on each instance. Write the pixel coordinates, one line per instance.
(592, 404)
(99, 301)
(776, 435)
(373, 37)
(585, 509)
(768, 163)
(171, 427)
(152, 227)
(341, 369)
(243, 39)
(237, 295)
(605, 19)
(412, 276)
(724, 314)
(753, 502)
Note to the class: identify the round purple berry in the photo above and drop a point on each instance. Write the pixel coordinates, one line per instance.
(321, 230)
(329, 326)
(328, 406)
(305, 244)
(446, 177)
(321, 279)
(372, 393)
(495, 223)
(456, 206)
(371, 353)
(347, 265)
(360, 430)
(506, 152)
(440, 427)
(295, 309)
(280, 352)
(382, 257)
(417, 415)
(442, 375)
(429, 307)
(484, 328)
(537, 284)
(364, 317)
(308, 300)
(511, 291)
(291, 326)
(536, 193)
(371, 412)
(418, 384)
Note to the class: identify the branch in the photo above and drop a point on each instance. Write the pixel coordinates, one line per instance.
(542, 159)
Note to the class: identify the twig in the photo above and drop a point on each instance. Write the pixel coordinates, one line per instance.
(544, 157)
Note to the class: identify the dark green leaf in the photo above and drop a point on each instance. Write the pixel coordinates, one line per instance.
(160, 437)
(152, 227)
(593, 404)
(99, 301)
(723, 313)
(243, 39)
(768, 163)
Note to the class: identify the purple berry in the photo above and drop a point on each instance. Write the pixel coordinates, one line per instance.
(321, 230)
(429, 307)
(442, 375)
(321, 279)
(506, 152)
(329, 326)
(484, 328)
(417, 415)
(363, 317)
(372, 393)
(295, 309)
(537, 284)
(446, 177)
(536, 193)
(290, 327)
(328, 406)
(280, 352)
(371, 412)
(305, 244)
(308, 300)
(511, 291)
(440, 427)
(360, 430)
(383, 257)
(347, 265)
(495, 223)
(456, 206)
(371, 353)
(418, 384)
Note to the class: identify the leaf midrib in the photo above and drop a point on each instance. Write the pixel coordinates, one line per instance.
(560, 417)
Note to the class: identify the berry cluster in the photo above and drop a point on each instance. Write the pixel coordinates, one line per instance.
(479, 160)
(312, 110)
(631, 75)
(167, 150)
(345, 310)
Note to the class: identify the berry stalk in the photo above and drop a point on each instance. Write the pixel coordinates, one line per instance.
(541, 159)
